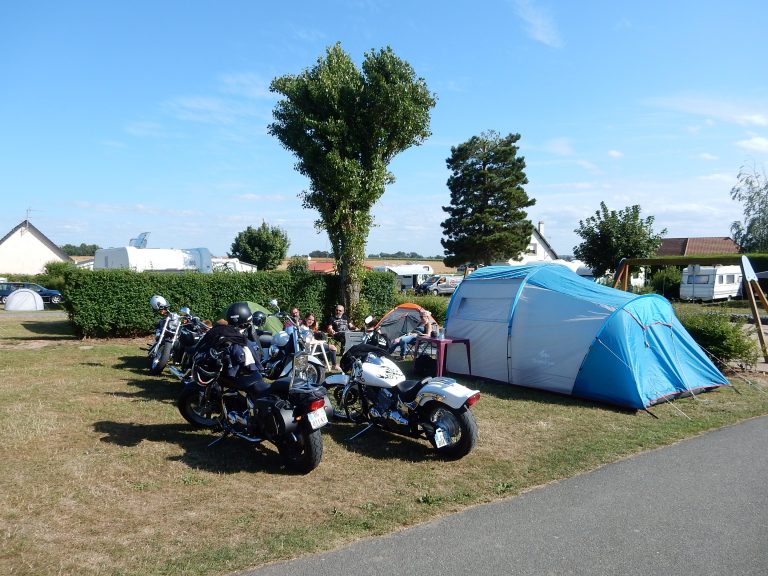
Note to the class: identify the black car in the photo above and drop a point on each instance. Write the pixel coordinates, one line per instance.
(48, 296)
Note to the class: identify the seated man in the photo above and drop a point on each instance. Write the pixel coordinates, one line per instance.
(337, 324)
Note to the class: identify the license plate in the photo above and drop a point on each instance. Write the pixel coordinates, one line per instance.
(317, 418)
(440, 439)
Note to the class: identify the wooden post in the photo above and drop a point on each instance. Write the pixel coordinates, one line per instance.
(756, 314)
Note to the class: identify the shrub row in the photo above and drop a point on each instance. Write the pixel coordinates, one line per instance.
(111, 303)
(725, 341)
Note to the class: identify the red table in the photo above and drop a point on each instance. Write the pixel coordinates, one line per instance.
(440, 345)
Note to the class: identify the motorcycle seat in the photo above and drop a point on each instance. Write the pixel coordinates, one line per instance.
(408, 389)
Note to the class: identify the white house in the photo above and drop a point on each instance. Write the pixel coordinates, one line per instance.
(538, 250)
(26, 250)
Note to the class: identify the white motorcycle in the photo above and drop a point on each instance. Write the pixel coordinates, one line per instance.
(373, 390)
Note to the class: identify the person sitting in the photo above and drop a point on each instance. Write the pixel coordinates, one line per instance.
(309, 331)
(338, 324)
(295, 318)
(426, 326)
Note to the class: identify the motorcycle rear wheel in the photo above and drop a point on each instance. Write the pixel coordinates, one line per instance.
(301, 452)
(191, 405)
(159, 359)
(459, 427)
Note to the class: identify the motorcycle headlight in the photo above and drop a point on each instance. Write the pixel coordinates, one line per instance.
(273, 350)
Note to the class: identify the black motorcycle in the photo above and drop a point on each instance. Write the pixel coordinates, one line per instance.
(166, 335)
(288, 412)
(190, 333)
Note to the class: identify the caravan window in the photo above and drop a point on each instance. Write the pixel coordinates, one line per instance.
(730, 278)
(698, 279)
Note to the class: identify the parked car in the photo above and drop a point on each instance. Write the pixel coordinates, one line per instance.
(48, 296)
(440, 284)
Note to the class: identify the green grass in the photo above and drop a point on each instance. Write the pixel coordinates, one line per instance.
(101, 475)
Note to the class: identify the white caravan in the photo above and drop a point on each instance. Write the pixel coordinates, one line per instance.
(156, 259)
(408, 275)
(707, 283)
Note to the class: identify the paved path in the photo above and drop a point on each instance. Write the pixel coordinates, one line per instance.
(697, 508)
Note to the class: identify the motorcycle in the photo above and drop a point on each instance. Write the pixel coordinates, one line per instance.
(183, 350)
(288, 412)
(166, 335)
(278, 351)
(374, 391)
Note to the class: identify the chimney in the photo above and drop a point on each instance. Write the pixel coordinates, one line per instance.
(541, 228)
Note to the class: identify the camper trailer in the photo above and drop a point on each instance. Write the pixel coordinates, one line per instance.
(707, 283)
(155, 259)
(409, 276)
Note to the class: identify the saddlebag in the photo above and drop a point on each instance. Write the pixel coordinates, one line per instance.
(274, 415)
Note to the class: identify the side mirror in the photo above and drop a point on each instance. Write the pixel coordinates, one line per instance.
(273, 303)
(185, 311)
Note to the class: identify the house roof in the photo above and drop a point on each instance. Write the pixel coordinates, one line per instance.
(543, 241)
(697, 246)
(26, 224)
(321, 267)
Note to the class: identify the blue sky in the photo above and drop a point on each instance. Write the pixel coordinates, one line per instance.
(125, 117)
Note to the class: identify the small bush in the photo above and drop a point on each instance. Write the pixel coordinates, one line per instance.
(723, 340)
(666, 281)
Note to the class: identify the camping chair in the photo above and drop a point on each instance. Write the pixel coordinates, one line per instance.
(314, 345)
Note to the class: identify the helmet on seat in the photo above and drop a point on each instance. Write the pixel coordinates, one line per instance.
(259, 319)
(158, 303)
(238, 314)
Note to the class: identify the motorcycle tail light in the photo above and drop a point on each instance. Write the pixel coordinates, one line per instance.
(472, 400)
(316, 405)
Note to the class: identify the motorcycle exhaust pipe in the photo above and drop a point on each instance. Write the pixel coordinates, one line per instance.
(176, 372)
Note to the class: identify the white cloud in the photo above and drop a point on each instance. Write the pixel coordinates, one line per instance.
(540, 25)
(211, 110)
(708, 156)
(559, 146)
(615, 153)
(733, 112)
(246, 84)
(719, 177)
(756, 144)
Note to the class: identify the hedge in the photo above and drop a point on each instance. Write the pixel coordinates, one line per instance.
(115, 303)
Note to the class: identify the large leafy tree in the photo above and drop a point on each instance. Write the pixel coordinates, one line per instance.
(82, 250)
(487, 221)
(611, 235)
(752, 190)
(265, 246)
(345, 125)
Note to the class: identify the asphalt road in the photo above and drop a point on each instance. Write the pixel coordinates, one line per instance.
(699, 507)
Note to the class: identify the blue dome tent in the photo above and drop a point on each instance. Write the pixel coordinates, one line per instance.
(543, 326)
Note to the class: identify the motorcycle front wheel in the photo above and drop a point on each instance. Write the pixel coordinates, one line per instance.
(352, 404)
(315, 374)
(195, 410)
(301, 452)
(458, 428)
(159, 359)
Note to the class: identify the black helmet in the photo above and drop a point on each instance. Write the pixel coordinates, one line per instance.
(259, 318)
(238, 314)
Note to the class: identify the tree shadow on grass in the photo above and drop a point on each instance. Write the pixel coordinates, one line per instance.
(156, 388)
(228, 456)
